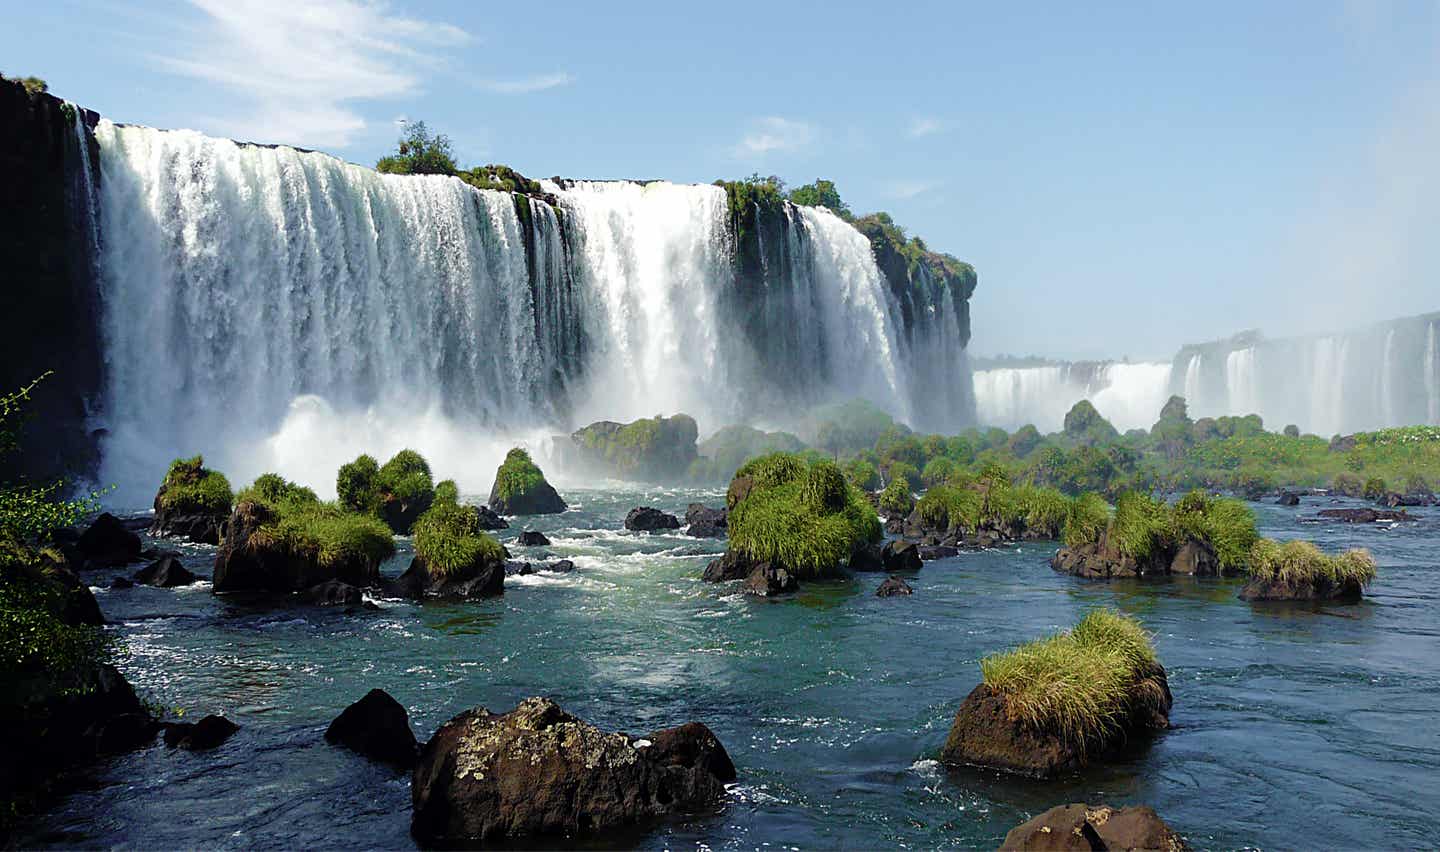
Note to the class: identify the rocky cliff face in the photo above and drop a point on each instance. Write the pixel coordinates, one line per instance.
(52, 302)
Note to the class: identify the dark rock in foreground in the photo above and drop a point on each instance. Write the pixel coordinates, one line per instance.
(648, 519)
(483, 580)
(166, 573)
(531, 538)
(489, 521)
(107, 542)
(930, 553)
(1288, 498)
(892, 587)
(985, 733)
(866, 559)
(378, 727)
(704, 522)
(334, 593)
(1365, 516)
(732, 565)
(250, 562)
(204, 529)
(1101, 561)
(207, 733)
(768, 579)
(537, 772)
(1086, 828)
(1320, 589)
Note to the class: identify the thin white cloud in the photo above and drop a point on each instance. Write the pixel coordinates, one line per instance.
(773, 133)
(925, 126)
(903, 189)
(525, 85)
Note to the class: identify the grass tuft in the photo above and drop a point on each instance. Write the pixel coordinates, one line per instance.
(1080, 684)
(189, 487)
(1300, 563)
(1086, 517)
(448, 538)
(518, 475)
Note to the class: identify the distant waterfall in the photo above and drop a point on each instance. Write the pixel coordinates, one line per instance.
(1191, 389)
(1240, 379)
(279, 309)
(1387, 379)
(1432, 375)
(1130, 396)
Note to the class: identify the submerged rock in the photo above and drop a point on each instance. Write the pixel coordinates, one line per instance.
(166, 572)
(1321, 588)
(985, 732)
(893, 586)
(704, 522)
(1086, 828)
(1365, 516)
(334, 593)
(647, 519)
(378, 727)
(768, 579)
(107, 542)
(207, 733)
(1288, 498)
(537, 772)
(930, 553)
(483, 580)
(531, 538)
(559, 566)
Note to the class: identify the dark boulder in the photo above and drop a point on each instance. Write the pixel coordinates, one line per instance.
(1320, 589)
(895, 525)
(866, 559)
(1365, 516)
(559, 566)
(985, 732)
(122, 583)
(768, 579)
(893, 586)
(1288, 498)
(647, 519)
(251, 562)
(107, 542)
(166, 573)
(489, 521)
(1195, 558)
(1087, 828)
(207, 733)
(378, 727)
(1414, 500)
(531, 538)
(930, 553)
(204, 529)
(400, 515)
(1101, 561)
(334, 593)
(538, 773)
(732, 565)
(704, 522)
(486, 579)
(900, 555)
(517, 568)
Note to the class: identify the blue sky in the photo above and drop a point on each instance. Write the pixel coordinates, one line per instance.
(1125, 177)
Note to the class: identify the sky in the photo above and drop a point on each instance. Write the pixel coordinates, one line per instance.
(1124, 177)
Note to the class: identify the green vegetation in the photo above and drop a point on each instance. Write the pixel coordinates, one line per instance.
(655, 449)
(1227, 524)
(862, 474)
(802, 514)
(190, 488)
(1297, 563)
(897, 497)
(446, 491)
(1143, 527)
(357, 485)
(518, 475)
(822, 193)
(33, 85)
(1084, 424)
(1086, 518)
(448, 539)
(365, 487)
(725, 451)
(323, 533)
(1079, 685)
(406, 477)
(420, 152)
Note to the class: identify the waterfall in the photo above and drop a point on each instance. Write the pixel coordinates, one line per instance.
(279, 309)
(1240, 383)
(1191, 389)
(1432, 375)
(1387, 379)
(1327, 394)
(1130, 396)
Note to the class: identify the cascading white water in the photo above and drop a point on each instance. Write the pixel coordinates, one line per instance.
(1387, 379)
(1191, 389)
(1327, 394)
(1240, 381)
(1130, 396)
(278, 309)
(1432, 375)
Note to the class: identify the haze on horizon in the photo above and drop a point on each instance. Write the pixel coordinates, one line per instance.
(1124, 178)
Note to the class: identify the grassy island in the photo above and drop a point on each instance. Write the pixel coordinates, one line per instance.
(191, 488)
(302, 527)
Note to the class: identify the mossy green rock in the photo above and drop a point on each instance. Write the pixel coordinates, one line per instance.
(656, 449)
(520, 488)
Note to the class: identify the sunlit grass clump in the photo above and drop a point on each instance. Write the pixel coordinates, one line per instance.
(965, 507)
(190, 487)
(1086, 518)
(518, 475)
(1225, 522)
(448, 539)
(1296, 563)
(897, 497)
(1082, 684)
(305, 528)
(1142, 527)
(803, 515)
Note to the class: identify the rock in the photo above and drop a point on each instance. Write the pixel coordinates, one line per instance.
(705, 522)
(378, 727)
(1094, 827)
(1394, 500)
(107, 543)
(866, 559)
(528, 492)
(659, 449)
(1195, 558)
(895, 525)
(732, 565)
(483, 580)
(516, 568)
(647, 519)
(984, 733)
(122, 583)
(204, 529)
(768, 579)
(401, 515)
(1322, 589)
(166, 573)
(900, 555)
(531, 538)
(559, 566)
(893, 586)
(938, 551)
(489, 521)
(207, 733)
(1365, 516)
(1288, 498)
(334, 593)
(537, 772)
(247, 562)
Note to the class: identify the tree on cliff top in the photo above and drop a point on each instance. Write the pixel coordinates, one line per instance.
(822, 193)
(420, 153)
